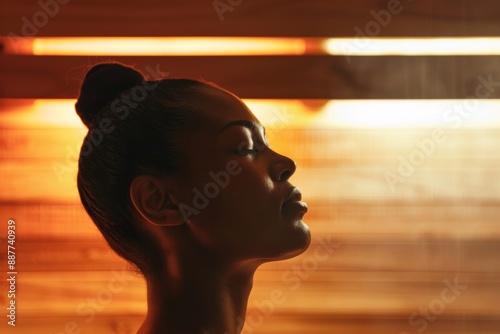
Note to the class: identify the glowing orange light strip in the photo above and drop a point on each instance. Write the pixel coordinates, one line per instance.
(234, 46)
(156, 46)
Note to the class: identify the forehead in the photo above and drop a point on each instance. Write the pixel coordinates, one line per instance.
(218, 107)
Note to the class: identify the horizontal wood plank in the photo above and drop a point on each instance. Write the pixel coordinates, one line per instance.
(368, 221)
(305, 77)
(424, 255)
(308, 298)
(318, 297)
(250, 18)
(370, 165)
(40, 182)
(276, 323)
(459, 148)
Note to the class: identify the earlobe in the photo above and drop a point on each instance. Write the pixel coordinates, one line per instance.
(153, 201)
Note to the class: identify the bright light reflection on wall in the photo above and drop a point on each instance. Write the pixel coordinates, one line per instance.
(301, 113)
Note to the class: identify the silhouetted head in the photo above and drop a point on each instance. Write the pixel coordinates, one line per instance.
(179, 164)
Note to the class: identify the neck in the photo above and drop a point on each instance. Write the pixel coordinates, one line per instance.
(198, 296)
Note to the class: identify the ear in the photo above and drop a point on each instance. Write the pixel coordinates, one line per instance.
(152, 200)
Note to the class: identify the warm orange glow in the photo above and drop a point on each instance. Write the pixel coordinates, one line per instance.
(157, 46)
(395, 247)
(377, 113)
(301, 113)
(40, 113)
(235, 46)
(409, 113)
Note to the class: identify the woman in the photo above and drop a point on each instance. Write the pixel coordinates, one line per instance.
(178, 177)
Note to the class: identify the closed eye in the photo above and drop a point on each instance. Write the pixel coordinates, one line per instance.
(248, 151)
(243, 149)
(257, 147)
(255, 137)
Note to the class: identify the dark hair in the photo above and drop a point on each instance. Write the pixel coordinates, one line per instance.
(135, 127)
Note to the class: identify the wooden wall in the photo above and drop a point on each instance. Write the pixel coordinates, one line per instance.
(391, 250)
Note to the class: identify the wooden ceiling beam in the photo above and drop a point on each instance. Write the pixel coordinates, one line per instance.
(320, 18)
(319, 77)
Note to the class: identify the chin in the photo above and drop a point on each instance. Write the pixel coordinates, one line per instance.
(293, 244)
(302, 241)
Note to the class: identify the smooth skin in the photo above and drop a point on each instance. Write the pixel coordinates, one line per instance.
(209, 258)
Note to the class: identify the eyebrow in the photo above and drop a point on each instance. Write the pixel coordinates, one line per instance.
(252, 126)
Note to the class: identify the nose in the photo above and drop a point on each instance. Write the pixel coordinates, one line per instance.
(282, 168)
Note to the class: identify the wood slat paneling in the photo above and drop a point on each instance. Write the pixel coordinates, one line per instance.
(277, 323)
(393, 282)
(349, 181)
(252, 18)
(39, 181)
(392, 249)
(378, 281)
(460, 148)
(389, 255)
(310, 297)
(367, 221)
(336, 286)
(314, 77)
(347, 164)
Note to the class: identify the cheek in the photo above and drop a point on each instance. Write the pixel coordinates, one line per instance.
(238, 207)
(245, 195)
(252, 189)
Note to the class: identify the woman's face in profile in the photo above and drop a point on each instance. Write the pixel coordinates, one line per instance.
(235, 189)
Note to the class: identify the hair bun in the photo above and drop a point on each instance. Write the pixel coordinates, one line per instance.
(101, 85)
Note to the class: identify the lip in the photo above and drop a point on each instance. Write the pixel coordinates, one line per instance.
(294, 204)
